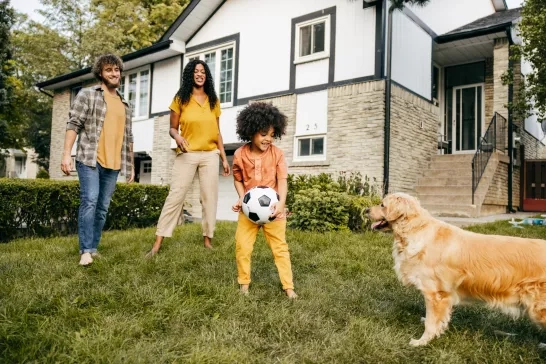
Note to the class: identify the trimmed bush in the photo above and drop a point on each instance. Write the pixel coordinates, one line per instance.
(50, 208)
(324, 203)
(42, 174)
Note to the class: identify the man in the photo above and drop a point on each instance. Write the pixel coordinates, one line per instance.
(102, 118)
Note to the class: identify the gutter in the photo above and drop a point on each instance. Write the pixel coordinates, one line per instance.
(44, 92)
(156, 47)
(446, 38)
(510, 123)
(388, 87)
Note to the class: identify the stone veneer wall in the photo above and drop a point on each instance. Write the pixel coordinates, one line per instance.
(488, 90)
(59, 118)
(497, 194)
(414, 138)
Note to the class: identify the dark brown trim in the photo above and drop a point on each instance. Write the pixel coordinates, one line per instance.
(161, 113)
(332, 58)
(151, 87)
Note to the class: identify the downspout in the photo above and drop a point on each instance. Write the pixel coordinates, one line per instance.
(510, 125)
(388, 85)
(44, 92)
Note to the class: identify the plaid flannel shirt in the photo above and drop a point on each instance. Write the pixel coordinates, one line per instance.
(86, 118)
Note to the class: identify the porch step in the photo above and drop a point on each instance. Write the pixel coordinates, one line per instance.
(440, 164)
(452, 210)
(453, 158)
(450, 172)
(446, 190)
(453, 180)
(445, 198)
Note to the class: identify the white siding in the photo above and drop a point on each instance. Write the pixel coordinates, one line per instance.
(228, 122)
(265, 40)
(143, 135)
(443, 16)
(312, 113)
(411, 55)
(312, 73)
(532, 126)
(165, 84)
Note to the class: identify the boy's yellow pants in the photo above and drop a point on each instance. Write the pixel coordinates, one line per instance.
(275, 233)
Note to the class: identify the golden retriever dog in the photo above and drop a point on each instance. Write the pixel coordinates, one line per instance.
(450, 265)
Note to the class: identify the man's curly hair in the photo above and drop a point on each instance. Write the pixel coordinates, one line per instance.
(184, 93)
(105, 60)
(259, 117)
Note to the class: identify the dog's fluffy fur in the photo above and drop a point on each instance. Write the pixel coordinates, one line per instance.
(450, 265)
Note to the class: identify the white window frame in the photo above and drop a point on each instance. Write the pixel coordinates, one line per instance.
(216, 72)
(318, 55)
(311, 157)
(147, 165)
(125, 78)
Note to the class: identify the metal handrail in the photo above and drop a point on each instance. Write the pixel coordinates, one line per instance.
(494, 138)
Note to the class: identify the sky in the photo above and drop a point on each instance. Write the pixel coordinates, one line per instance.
(30, 7)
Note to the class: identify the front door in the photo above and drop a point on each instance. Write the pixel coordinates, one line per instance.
(467, 123)
(534, 193)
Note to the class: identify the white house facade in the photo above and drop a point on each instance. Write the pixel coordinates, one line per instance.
(324, 63)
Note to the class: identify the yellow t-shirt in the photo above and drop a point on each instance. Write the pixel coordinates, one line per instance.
(111, 135)
(198, 124)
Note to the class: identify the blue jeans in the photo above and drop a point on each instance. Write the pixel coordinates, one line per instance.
(96, 188)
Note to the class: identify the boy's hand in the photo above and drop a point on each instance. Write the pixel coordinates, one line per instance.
(237, 206)
(278, 209)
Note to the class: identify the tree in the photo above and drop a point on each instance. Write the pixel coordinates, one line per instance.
(8, 132)
(532, 91)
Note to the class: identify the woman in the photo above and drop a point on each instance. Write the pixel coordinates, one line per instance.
(196, 111)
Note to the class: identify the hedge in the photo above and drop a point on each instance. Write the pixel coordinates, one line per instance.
(50, 208)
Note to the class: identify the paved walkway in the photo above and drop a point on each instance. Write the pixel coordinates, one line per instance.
(466, 221)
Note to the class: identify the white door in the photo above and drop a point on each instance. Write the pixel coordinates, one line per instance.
(468, 117)
(145, 172)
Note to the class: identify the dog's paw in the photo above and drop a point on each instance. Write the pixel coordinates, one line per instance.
(415, 343)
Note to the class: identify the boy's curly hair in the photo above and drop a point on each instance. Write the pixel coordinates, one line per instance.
(259, 117)
(104, 60)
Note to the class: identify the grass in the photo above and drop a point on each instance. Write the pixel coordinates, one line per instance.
(183, 306)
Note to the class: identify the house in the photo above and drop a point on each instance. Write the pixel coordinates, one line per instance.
(426, 115)
(17, 163)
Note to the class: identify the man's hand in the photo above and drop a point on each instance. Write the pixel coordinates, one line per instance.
(237, 206)
(66, 164)
(132, 177)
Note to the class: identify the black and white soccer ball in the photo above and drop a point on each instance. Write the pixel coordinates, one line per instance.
(257, 204)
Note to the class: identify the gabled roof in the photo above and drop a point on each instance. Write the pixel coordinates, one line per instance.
(493, 23)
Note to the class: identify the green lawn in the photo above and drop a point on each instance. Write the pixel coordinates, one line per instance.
(183, 305)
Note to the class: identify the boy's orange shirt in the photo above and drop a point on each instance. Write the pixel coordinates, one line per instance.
(264, 170)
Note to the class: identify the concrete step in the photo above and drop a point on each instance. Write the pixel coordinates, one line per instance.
(448, 190)
(451, 165)
(448, 181)
(451, 210)
(451, 172)
(447, 199)
(453, 158)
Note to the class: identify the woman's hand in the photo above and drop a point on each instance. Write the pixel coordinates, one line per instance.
(182, 143)
(225, 166)
(237, 206)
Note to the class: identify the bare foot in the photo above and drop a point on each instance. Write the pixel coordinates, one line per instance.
(207, 242)
(243, 288)
(291, 294)
(151, 253)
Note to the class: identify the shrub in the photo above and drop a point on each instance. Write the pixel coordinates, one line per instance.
(322, 203)
(42, 174)
(49, 208)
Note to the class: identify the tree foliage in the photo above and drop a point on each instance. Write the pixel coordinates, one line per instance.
(532, 29)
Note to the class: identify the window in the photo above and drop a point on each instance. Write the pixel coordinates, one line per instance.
(135, 88)
(20, 166)
(147, 167)
(221, 62)
(435, 82)
(308, 147)
(312, 40)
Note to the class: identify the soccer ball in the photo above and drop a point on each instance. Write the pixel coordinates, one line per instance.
(257, 204)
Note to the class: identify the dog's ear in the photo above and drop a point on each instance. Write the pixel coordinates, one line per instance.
(394, 207)
(412, 206)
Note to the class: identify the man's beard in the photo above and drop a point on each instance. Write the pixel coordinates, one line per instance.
(110, 84)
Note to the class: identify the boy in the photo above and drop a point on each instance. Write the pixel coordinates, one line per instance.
(260, 163)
